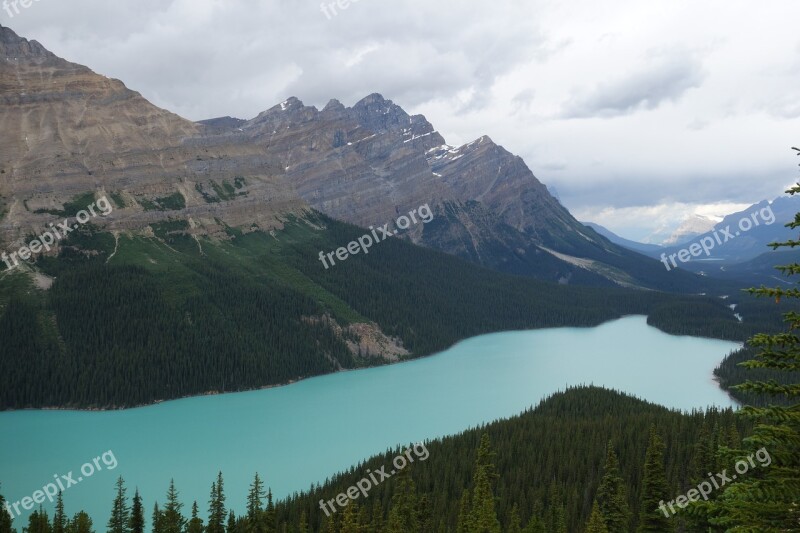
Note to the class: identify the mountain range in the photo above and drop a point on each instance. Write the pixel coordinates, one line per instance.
(74, 132)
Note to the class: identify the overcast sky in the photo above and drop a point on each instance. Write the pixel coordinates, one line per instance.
(637, 113)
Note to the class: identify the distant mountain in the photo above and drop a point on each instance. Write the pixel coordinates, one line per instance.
(76, 133)
(622, 241)
(689, 229)
(744, 235)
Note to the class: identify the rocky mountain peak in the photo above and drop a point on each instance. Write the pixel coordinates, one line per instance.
(13, 47)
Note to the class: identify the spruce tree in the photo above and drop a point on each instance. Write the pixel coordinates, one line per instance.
(767, 499)
(59, 518)
(195, 524)
(38, 522)
(483, 517)
(120, 512)
(216, 508)
(232, 523)
(80, 523)
(172, 518)
(303, 527)
(612, 497)
(137, 514)
(597, 523)
(514, 523)
(350, 523)
(5, 517)
(255, 518)
(464, 524)
(158, 519)
(403, 514)
(269, 514)
(654, 488)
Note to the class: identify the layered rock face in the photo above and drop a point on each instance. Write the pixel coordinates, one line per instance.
(68, 131)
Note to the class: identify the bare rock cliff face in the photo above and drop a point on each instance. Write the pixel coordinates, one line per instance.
(68, 132)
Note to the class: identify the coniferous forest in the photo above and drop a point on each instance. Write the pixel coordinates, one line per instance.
(162, 320)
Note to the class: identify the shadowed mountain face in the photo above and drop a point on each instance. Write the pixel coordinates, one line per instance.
(69, 132)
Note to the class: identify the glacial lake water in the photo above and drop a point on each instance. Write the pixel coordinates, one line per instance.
(300, 434)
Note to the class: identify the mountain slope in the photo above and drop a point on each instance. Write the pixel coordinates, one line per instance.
(78, 133)
(626, 243)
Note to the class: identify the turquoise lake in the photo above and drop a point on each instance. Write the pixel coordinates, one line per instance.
(300, 434)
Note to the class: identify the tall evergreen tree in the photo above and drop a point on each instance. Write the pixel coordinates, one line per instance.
(464, 524)
(157, 520)
(80, 523)
(654, 488)
(269, 514)
(5, 517)
(59, 518)
(38, 522)
(173, 520)
(514, 522)
(120, 512)
(612, 497)
(768, 498)
(597, 523)
(137, 514)
(232, 523)
(403, 514)
(483, 517)
(216, 508)
(255, 518)
(195, 524)
(303, 527)
(350, 522)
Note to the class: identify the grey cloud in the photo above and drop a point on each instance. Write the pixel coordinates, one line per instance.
(665, 79)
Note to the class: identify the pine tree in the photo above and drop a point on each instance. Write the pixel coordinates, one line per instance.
(483, 517)
(269, 514)
(255, 518)
(137, 514)
(38, 522)
(514, 522)
(768, 498)
(612, 498)
(424, 517)
(464, 524)
(216, 508)
(232, 523)
(703, 460)
(172, 518)
(59, 518)
(654, 488)
(303, 527)
(120, 513)
(403, 514)
(350, 523)
(195, 524)
(158, 520)
(596, 522)
(5, 517)
(80, 523)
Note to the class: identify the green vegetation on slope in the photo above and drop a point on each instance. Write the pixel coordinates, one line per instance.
(141, 319)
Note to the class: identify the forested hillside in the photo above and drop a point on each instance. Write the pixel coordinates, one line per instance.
(132, 319)
(541, 470)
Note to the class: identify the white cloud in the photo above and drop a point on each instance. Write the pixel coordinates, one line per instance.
(702, 94)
